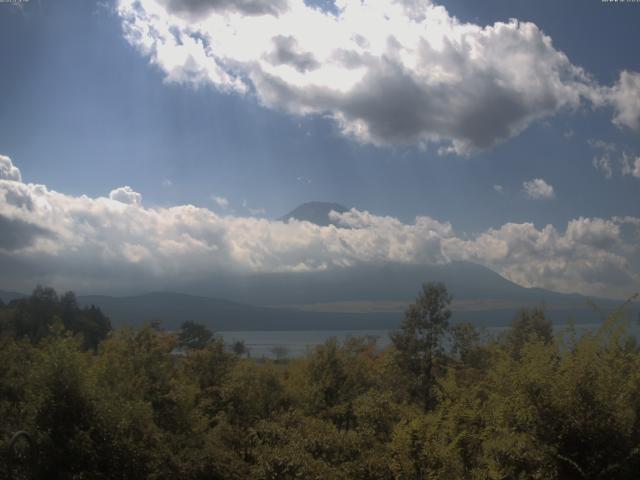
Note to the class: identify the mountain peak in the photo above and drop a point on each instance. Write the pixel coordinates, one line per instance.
(315, 212)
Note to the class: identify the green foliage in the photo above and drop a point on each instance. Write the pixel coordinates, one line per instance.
(524, 406)
(194, 335)
(33, 317)
(418, 343)
(239, 348)
(528, 325)
(465, 340)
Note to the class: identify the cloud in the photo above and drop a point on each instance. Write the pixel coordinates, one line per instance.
(167, 183)
(590, 257)
(601, 145)
(630, 165)
(386, 72)
(594, 232)
(254, 212)
(126, 195)
(538, 189)
(198, 9)
(220, 201)
(499, 188)
(16, 234)
(624, 96)
(603, 164)
(8, 171)
(257, 212)
(287, 52)
(98, 243)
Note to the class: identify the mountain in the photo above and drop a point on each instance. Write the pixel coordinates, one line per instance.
(360, 298)
(315, 212)
(479, 293)
(221, 315)
(6, 297)
(383, 282)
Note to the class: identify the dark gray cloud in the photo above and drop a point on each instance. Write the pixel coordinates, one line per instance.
(286, 51)
(397, 108)
(16, 234)
(19, 198)
(194, 9)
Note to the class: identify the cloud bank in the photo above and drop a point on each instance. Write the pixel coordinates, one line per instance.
(387, 72)
(94, 244)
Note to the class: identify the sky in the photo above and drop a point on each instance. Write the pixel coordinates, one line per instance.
(154, 139)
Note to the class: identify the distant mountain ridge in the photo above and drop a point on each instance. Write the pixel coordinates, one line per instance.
(315, 212)
(7, 297)
(171, 309)
(496, 309)
(378, 282)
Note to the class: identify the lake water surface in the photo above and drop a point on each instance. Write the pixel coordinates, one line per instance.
(295, 343)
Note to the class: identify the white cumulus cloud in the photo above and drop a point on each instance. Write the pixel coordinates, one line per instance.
(590, 257)
(538, 189)
(126, 195)
(625, 98)
(8, 171)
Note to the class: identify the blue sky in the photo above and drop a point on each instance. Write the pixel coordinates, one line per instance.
(84, 110)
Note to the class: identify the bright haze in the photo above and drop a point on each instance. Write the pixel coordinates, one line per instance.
(157, 144)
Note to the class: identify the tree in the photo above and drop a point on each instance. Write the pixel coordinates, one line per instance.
(239, 348)
(34, 316)
(528, 325)
(62, 414)
(418, 342)
(95, 326)
(280, 352)
(194, 335)
(464, 340)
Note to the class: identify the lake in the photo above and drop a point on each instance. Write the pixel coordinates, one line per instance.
(296, 343)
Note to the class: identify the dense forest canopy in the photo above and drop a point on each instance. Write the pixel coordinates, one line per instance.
(33, 317)
(146, 403)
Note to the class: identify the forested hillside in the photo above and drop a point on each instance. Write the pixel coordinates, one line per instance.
(146, 403)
